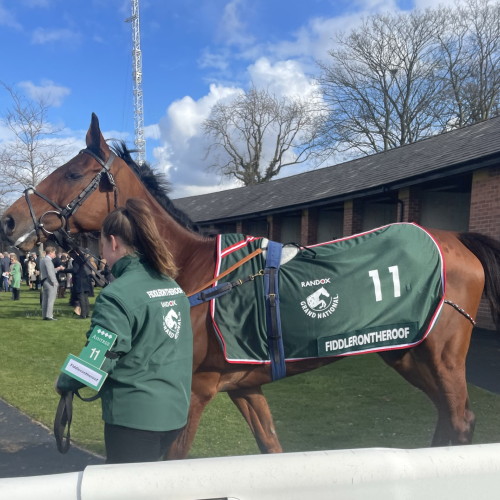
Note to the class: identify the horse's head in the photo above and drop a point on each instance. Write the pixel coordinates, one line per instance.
(74, 198)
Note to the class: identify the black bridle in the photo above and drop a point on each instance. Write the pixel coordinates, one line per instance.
(62, 235)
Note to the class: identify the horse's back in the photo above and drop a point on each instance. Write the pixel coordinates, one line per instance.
(464, 271)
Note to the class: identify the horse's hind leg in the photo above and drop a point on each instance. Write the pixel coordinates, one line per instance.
(438, 369)
(253, 406)
(444, 353)
(455, 418)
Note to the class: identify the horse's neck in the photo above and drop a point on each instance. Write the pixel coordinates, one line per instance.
(193, 254)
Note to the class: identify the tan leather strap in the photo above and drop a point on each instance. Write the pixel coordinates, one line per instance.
(228, 271)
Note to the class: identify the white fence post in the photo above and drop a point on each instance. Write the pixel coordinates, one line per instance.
(50, 487)
(451, 473)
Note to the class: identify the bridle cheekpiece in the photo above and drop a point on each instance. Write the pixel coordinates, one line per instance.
(62, 235)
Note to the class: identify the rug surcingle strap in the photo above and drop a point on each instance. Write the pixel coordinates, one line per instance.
(273, 318)
(215, 292)
(225, 273)
(204, 293)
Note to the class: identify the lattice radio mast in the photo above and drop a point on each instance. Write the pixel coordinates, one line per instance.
(140, 142)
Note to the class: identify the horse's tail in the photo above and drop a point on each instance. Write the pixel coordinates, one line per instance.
(487, 250)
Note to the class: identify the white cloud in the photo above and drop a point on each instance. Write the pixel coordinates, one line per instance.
(116, 136)
(187, 176)
(152, 131)
(283, 78)
(6, 134)
(7, 18)
(312, 41)
(185, 116)
(183, 147)
(234, 40)
(73, 144)
(434, 4)
(48, 92)
(42, 36)
(209, 59)
(231, 28)
(305, 46)
(371, 6)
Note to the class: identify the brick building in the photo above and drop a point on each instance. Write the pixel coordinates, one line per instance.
(449, 181)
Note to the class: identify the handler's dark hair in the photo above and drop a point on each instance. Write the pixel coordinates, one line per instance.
(136, 226)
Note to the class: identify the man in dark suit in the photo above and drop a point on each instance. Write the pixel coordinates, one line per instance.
(5, 266)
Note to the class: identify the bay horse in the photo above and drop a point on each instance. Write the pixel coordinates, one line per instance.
(78, 195)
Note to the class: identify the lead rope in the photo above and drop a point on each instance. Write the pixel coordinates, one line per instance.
(63, 418)
(64, 415)
(463, 312)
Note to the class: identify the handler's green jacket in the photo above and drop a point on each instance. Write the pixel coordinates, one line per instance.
(149, 385)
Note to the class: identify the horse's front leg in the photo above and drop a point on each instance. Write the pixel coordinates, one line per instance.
(203, 389)
(253, 406)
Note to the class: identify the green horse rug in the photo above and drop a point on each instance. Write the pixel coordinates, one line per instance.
(379, 290)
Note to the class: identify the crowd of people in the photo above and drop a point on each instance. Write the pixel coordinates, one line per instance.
(54, 274)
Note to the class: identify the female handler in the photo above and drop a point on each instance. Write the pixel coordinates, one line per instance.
(145, 398)
(15, 274)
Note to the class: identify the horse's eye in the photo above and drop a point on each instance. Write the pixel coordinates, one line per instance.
(73, 176)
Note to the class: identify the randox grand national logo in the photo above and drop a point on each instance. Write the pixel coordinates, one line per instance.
(319, 304)
(172, 324)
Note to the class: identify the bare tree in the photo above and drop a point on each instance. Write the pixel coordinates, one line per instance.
(33, 149)
(4, 192)
(400, 78)
(383, 84)
(470, 52)
(257, 134)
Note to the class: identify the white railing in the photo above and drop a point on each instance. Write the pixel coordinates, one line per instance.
(454, 473)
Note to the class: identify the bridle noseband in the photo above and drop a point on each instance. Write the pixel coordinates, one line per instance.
(62, 235)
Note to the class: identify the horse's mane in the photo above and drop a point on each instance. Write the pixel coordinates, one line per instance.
(156, 183)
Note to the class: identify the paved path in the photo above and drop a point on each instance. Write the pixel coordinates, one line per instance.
(28, 449)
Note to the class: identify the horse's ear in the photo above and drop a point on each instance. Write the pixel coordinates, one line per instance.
(94, 139)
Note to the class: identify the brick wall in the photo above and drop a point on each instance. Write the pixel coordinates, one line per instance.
(274, 225)
(485, 219)
(353, 217)
(309, 226)
(485, 202)
(411, 204)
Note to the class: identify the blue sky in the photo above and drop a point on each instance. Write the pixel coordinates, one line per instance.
(77, 54)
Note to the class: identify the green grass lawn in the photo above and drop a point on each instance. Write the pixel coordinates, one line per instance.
(357, 402)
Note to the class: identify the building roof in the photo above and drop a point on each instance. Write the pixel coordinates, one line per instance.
(458, 151)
